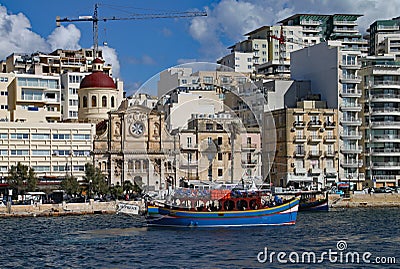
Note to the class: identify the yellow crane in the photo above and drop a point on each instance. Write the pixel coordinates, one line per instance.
(95, 19)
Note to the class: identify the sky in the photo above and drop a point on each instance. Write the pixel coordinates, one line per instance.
(140, 49)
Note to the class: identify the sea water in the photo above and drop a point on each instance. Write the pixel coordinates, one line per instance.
(118, 241)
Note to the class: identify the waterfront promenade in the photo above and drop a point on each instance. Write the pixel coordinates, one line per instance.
(62, 209)
(92, 207)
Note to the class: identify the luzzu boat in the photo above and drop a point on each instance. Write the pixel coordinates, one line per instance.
(231, 210)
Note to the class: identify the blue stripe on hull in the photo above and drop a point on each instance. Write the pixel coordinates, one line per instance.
(282, 215)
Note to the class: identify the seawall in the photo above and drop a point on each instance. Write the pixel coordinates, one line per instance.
(365, 200)
(63, 209)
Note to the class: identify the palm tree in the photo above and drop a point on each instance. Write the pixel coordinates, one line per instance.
(234, 130)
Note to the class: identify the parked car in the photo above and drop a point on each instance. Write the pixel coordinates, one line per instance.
(384, 190)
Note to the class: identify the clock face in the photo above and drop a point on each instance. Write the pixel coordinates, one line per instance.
(137, 128)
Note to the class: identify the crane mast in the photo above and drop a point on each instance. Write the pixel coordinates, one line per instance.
(95, 20)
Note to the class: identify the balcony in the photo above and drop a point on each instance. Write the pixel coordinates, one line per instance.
(330, 125)
(330, 170)
(249, 163)
(314, 139)
(386, 166)
(330, 139)
(385, 111)
(299, 153)
(384, 178)
(385, 152)
(352, 164)
(335, 22)
(314, 124)
(351, 136)
(299, 139)
(351, 93)
(351, 149)
(350, 107)
(300, 170)
(299, 124)
(189, 146)
(386, 138)
(249, 147)
(385, 124)
(309, 22)
(350, 121)
(350, 79)
(315, 170)
(350, 65)
(314, 153)
(387, 97)
(330, 154)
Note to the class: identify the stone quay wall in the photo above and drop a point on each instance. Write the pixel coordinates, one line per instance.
(62, 209)
(365, 200)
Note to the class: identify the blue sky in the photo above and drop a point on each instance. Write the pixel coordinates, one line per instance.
(140, 49)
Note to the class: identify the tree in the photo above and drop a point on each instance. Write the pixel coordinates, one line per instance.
(117, 191)
(32, 180)
(95, 179)
(128, 186)
(70, 185)
(17, 177)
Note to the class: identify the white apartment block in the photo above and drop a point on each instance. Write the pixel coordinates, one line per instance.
(53, 150)
(385, 37)
(70, 83)
(241, 62)
(336, 79)
(5, 80)
(381, 119)
(34, 98)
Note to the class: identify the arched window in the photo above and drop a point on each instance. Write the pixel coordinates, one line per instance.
(94, 101)
(79, 101)
(84, 101)
(104, 101)
(112, 101)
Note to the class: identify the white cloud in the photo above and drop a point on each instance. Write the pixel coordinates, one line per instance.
(229, 20)
(16, 35)
(111, 57)
(65, 38)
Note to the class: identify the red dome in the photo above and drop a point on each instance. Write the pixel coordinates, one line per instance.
(97, 80)
(97, 61)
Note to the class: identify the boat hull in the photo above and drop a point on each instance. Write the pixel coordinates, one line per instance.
(320, 205)
(285, 214)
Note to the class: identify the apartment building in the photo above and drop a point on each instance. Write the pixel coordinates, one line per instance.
(5, 80)
(337, 80)
(306, 146)
(53, 150)
(381, 119)
(385, 37)
(34, 98)
(216, 147)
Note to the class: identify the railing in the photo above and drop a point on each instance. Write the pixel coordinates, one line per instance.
(299, 138)
(351, 91)
(385, 150)
(299, 153)
(385, 110)
(385, 123)
(329, 124)
(386, 164)
(386, 83)
(315, 153)
(352, 149)
(315, 138)
(299, 124)
(249, 146)
(386, 137)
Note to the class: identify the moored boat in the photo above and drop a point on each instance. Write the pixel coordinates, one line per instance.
(231, 209)
(313, 201)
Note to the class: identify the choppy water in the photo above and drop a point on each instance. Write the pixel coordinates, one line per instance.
(115, 241)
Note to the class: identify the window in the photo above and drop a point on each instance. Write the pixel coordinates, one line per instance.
(19, 136)
(208, 80)
(60, 168)
(3, 152)
(189, 141)
(41, 168)
(19, 152)
(84, 101)
(61, 152)
(209, 126)
(38, 152)
(3, 136)
(104, 101)
(81, 153)
(264, 46)
(220, 171)
(81, 137)
(219, 156)
(209, 140)
(73, 91)
(94, 101)
(112, 101)
(249, 60)
(41, 136)
(219, 140)
(61, 136)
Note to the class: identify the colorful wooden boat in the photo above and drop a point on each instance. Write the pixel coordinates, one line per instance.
(314, 201)
(243, 210)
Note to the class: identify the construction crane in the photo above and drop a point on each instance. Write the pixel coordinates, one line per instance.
(95, 20)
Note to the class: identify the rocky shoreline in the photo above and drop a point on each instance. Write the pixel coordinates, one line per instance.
(365, 200)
